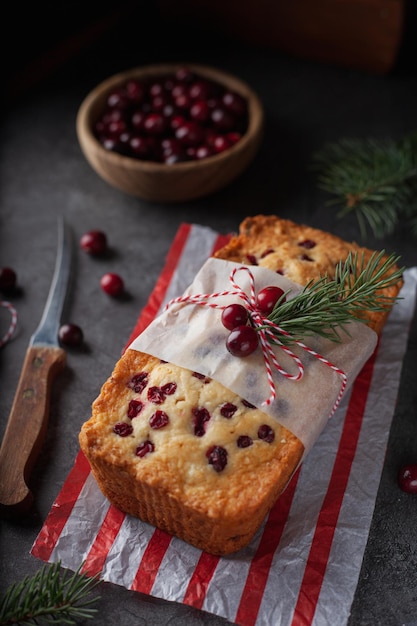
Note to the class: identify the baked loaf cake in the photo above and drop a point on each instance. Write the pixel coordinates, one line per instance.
(181, 451)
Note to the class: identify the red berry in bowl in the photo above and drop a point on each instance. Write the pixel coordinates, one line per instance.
(234, 103)
(242, 341)
(267, 298)
(190, 134)
(112, 284)
(234, 315)
(8, 279)
(94, 242)
(407, 478)
(70, 335)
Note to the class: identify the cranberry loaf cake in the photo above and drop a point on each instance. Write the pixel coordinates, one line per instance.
(181, 451)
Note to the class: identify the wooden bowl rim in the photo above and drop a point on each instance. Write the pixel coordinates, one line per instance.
(96, 95)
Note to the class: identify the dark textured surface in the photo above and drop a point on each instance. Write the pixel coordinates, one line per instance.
(44, 175)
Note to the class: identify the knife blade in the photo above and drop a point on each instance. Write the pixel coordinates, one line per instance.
(27, 423)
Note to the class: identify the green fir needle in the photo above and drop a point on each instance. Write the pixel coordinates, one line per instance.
(50, 596)
(374, 179)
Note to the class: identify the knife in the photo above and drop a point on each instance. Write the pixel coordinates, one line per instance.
(28, 419)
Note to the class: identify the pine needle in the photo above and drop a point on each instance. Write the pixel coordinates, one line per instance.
(49, 597)
(376, 180)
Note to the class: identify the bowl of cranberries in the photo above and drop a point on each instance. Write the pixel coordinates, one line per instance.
(170, 133)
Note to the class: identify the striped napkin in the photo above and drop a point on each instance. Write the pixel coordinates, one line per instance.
(303, 565)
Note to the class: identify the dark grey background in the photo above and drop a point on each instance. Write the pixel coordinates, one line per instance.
(43, 174)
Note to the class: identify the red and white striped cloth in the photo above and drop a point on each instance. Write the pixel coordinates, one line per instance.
(302, 567)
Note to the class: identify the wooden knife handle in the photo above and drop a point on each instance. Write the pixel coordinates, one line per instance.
(26, 427)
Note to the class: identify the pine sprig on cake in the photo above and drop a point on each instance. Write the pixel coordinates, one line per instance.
(326, 305)
(375, 180)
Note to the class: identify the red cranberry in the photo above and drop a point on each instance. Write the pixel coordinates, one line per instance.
(190, 134)
(122, 429)
(266, 433)
(217, 457)
(135, 90)
(228, 410)
(244, 441)
(8, 279)
(242, 341)
(222, 119)
(200, 417)
(144, 448)
(199, 111)
(158, 420)
(234, 315)
(118, 99)
(137, 120)
(138, 382)
(134, 408)
(307, 243)
(234, 103)
(184, 75)
(70, 335)
(156, 395)
(169, 389)
(202, 377)
(202, 152)
(112, 284)
(221, 143)
(267, 298)
(407, 478)
(94, 242)
(202, 90)
(155, 124)
(140, 147)
(248, 404)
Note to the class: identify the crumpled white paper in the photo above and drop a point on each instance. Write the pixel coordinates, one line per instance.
(192, 336)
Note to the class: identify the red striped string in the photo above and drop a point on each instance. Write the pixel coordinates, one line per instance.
(265, 328)
(13, 322)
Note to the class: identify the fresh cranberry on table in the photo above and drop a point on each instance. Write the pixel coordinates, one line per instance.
(8, 279)
(112, 284)
(407, 478)
(70, 335)
(94, 242)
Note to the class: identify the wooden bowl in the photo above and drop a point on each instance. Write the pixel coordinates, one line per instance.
(156, 181)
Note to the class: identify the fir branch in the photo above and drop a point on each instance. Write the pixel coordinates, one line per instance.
(376, 180)
(49, 597)
(325, 306)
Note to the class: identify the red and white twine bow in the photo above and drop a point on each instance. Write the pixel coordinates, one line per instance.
(267, 331)
(12, 327)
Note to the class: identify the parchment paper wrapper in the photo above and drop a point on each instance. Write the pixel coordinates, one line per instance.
(192, 336)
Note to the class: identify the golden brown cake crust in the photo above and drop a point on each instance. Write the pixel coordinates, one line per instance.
(174, 487)
(299, 252)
